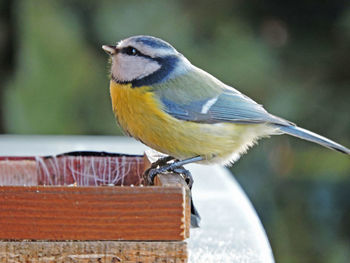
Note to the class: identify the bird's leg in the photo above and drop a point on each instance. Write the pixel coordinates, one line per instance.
(183, 162)
(156, 168)
(162, 161)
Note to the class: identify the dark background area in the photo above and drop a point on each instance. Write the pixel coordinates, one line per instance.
(291, 56)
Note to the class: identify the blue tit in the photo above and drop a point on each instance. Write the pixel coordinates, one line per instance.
(176, 108)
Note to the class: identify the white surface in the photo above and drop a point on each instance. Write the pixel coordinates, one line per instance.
(230, 229)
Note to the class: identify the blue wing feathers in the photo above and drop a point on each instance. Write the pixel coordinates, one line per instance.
(229, 107)
(313, 137)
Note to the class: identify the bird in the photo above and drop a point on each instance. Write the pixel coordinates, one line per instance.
(160, 98)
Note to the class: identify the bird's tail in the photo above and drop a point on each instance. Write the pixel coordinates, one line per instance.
(313, 137)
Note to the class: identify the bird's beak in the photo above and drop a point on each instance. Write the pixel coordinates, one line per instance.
(111, 50)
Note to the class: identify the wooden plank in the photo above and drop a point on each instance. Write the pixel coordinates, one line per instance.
(64, 197)
(170, 179)
(92, 213)
(91, 252)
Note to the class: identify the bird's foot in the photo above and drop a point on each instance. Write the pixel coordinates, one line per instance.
(163, 166)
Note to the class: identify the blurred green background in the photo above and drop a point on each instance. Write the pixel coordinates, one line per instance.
(291, 56)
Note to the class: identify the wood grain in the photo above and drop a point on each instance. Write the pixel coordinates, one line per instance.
(91, 252)
(92, 213)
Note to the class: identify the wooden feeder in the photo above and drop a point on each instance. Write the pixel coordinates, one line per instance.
(90, 206)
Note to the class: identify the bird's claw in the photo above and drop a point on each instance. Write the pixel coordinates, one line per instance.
(151, 174)
(162, 166)
(156, 168)
(187, 176)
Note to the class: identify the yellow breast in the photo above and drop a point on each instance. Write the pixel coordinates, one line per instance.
(136, 109)
(140, 114)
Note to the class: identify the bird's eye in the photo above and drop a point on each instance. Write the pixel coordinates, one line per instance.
(131, 51)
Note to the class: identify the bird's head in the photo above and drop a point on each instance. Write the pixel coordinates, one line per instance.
(145, 60)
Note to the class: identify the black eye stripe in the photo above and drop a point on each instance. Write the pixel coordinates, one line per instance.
(131, 51)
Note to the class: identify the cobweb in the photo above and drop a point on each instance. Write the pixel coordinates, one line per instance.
(72, 169)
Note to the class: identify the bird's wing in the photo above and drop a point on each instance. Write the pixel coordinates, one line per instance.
(226, 107)
(210, 101)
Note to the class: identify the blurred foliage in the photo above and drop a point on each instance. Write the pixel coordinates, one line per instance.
(291, 56)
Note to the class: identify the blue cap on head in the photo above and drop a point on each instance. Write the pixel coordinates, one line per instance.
(153, 42)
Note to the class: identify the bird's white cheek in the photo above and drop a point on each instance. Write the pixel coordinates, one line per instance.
(128, 68)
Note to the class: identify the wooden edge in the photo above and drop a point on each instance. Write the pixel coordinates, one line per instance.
(93, 251)
(146, 162)
(172, 180)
